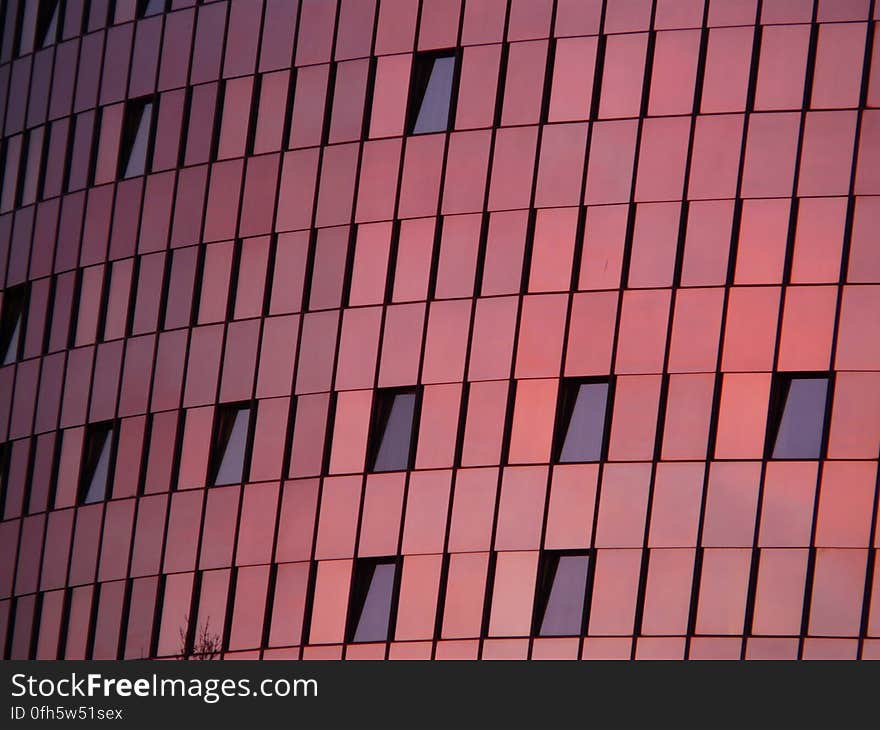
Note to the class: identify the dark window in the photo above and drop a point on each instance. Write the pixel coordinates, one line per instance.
(145, 8)
(392, 429)
(47, 23)
(797, 416)
(561, 593)
(21, 169)
(372, 599)
(11, 151)
(136, 146)
(4, 474)
(12, 322)
(431, 95)
(230, 444)
(32, 169)
(96, 462)
(583, 409)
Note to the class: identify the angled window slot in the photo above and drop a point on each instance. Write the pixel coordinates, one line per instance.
(561, 593)
(136, 143)
(796, 420)
(583, 408)
(12, 323)
(392, 429)
(230, 446)
(373, 594)
(434, 76)
(97, 462)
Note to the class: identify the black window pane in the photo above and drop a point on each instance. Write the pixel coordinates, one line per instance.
(230, 444)
(433, 113)
(47, 23)
(394, 431)
(373, 594)
(563, 592)
(95, 474)
(432, 93)
(4, 473)
(12, 323)
(12, 343)
(583, 425)
(135, 145)
(799, 417)
(150, 7)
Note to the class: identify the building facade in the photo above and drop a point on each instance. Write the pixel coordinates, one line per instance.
(431, 329)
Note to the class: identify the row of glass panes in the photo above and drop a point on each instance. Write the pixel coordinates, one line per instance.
(796, 427)
(43, 19)
(560, 596)
(432, 84)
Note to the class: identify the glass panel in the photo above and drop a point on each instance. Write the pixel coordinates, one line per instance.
(394, 429)
(31, 167)
(231, 444)
(585, 428)
(11, 328)
(374, 587)
(5, 448)
(137, 157)
(150, 7)
(96, 462)
(11, 166)
(433, 93)
(135, 143)
(800, 418)
(47, 23)
(564, 607)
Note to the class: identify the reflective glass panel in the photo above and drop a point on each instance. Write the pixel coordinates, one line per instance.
(582, 429)
(230, 444)
(561, 594)
(432, 93)
(798, 417)
(373, 593)
(392, 430)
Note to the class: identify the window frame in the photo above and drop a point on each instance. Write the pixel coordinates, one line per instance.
(5, 458)
(141, 9)
(548, 564)
(380, 413)
(779, 389)
(215, 460)
(21, 293)
(419, 80)
(569, 389)
(44, 22)
(128, 135)
(359, 590)
(83, 483)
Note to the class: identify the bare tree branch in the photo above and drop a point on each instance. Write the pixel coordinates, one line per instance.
(205, 645)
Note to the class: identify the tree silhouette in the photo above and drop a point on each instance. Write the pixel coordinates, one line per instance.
(204, 645)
